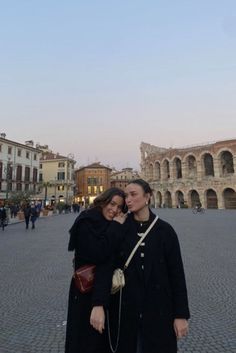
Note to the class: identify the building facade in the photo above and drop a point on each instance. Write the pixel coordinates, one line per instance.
(56, 177)
(19, 167)
(91, 181)
(184, 177)
(120, 179)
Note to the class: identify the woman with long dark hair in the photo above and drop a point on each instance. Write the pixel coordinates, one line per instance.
(93, 238)
(154, 309)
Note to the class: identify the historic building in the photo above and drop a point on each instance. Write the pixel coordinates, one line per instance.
(56, 177)
(19, 167)
(120, 179)
(183, 177)
(91, 180)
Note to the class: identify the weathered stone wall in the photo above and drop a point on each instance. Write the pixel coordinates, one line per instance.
(183, 177)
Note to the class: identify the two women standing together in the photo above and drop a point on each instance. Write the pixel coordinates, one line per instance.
(154, 305)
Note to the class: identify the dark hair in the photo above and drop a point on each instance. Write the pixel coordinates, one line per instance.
(144, 185)
(106, 197)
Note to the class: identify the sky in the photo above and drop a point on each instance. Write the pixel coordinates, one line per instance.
(96, 78)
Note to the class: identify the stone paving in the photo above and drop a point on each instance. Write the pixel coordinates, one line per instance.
(36, 268)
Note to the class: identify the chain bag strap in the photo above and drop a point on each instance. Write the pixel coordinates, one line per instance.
(120, 282)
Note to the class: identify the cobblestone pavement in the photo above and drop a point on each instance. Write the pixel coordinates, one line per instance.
(36, 268)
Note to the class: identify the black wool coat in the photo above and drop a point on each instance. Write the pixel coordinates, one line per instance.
(154, 295)
(93, 239)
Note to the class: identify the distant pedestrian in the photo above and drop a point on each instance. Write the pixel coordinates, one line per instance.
(33, 215)
(27, 213)
(3, 217)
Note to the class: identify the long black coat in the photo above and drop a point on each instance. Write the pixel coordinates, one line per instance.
(155, 290)
(93, 239)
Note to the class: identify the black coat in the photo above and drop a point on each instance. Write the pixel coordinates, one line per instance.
(154, 295)
(93, 239)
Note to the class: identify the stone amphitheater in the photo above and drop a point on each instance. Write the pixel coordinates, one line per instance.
(184, 177)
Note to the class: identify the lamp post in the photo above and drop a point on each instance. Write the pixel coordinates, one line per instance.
(8, 175)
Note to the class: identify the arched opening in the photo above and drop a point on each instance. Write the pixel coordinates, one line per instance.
(227, 164)
(166, 169)
(157, 171)
(194, 198)
(177, 170)
(151, 171)
(211, 199)
(208, 165)
(191, 166)
(167, 200)
(179, 198)
(158, 199)
(229, 198)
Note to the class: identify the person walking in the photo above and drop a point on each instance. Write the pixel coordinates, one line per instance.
(92, 238)
(27, 213)
(33, 215)
(154, 307)
(3, 217)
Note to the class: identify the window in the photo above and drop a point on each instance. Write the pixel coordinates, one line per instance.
(101, 188)
(61, 176)
(35, 157)
(26, 187)
(27, 155)
(19, 152)
(61, 165)
(0, 148)
(60, 187)
(35, 175)
(18, 186)
(89, 189)
(40, 177)
(9, 150)
(19, 173)
(27, 173)
(40, 166)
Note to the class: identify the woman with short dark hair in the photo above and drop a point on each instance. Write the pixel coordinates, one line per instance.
(93, 238)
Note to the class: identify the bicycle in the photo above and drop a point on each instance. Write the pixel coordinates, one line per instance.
(196, 210)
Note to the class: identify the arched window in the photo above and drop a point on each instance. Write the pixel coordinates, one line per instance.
(208, 164)
(227, 163)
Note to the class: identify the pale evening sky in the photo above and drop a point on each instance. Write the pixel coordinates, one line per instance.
(95, 78)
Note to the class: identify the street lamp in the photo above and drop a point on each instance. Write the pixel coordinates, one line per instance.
(8, 175)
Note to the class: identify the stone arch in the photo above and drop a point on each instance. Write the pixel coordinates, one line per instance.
(211, 199)
(208, 164)
(157, 171)
(152, 201)
(166, 169)
(177, 168)
(179, 199)
(158, 199)
(191, 166)
(151, 169)
(226, 162)
(229, 196)
(194, 198)
(167, 200)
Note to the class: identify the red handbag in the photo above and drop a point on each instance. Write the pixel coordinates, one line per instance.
(84, 278)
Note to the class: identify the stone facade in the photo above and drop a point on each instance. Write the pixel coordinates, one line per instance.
(120, 179)
(91, 181)
(184, 177)
(19, 167)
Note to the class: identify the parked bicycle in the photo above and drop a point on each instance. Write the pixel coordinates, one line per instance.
(198, 210)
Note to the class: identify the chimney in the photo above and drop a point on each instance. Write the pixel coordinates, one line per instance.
(29, 143)
(3, 135)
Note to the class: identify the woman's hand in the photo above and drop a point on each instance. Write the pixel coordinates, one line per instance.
(97, 318)
(180, 327)
(121, 217)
